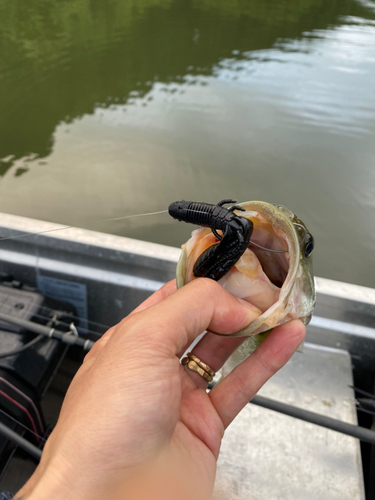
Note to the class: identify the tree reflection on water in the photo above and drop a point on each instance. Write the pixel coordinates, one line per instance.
(62, 60)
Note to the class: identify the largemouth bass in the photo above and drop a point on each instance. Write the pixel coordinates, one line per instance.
(279, 282)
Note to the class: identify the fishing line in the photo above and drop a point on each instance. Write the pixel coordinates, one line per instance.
(129, 216)
(268, 249)
(23, 235)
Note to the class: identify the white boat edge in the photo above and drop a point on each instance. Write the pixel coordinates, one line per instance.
(28, 226)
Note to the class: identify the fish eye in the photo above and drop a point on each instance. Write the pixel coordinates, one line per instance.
(309, 247)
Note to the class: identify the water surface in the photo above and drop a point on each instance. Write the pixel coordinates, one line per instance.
(109, 109)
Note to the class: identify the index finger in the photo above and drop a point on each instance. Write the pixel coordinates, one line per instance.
(182, 316)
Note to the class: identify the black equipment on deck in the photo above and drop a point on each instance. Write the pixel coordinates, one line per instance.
(28, 362)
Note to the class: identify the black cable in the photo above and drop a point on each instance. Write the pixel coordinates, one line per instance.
(361, 391)
(356, 431)
(23, 348)
(20, 441)
(369, 412)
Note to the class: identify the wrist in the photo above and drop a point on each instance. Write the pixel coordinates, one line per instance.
(59, 485)
(158, 481)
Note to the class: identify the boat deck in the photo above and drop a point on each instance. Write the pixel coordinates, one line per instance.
(264, 454)
(267, 455)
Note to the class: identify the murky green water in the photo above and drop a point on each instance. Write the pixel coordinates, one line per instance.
(118, 107)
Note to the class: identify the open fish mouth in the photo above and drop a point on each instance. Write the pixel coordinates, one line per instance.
(277, 278)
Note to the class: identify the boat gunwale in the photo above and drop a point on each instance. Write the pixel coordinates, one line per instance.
(16, 225)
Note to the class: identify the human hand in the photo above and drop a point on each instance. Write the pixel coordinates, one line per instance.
(137, 424)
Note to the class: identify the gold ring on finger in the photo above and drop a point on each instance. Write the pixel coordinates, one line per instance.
(200, 363)
(198, 366)
(192, 365)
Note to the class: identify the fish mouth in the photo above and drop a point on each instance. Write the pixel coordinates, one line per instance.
(273, 230)
(274, 254)
(275, 278)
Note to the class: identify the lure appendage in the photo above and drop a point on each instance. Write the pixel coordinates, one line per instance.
(218, 259)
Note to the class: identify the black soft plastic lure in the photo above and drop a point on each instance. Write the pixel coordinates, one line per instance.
(217, 260)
